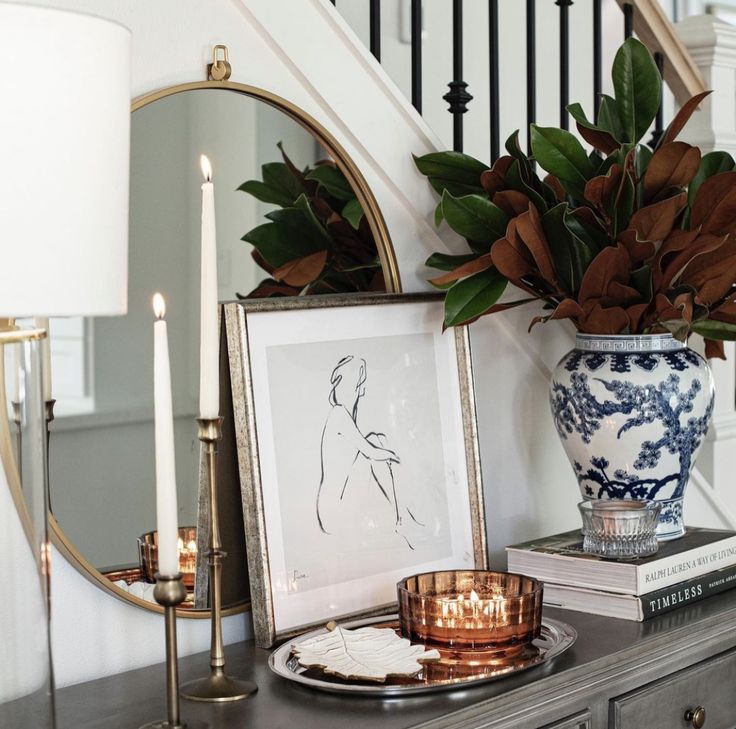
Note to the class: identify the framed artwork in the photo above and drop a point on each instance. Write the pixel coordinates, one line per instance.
(357, 452)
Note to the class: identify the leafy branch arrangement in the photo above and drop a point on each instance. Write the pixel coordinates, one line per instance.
(624, 240)
(318, 241)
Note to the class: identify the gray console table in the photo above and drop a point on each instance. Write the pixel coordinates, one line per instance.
(619, 675)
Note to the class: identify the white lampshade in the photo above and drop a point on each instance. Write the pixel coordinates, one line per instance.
(64, 152)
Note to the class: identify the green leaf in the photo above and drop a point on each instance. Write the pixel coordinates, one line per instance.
(333, 181)
(279, 176)
(302, 203)
(637, 85)
(592, 235)
(711, 329)
(353, 212)
(711, 164)
(474, 217)
(473, 296)
(641, 280)
(438, 216)
(624, 204)
(440, 184)
(451, 166)
(560, 153)
(515, 181)
(570, 254)
(265, 193)
(447, 262)
(609, 117)
(277, 243)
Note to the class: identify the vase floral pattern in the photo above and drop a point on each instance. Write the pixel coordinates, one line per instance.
(632, 412)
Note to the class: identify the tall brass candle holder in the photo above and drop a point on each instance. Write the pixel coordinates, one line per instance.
(49, 419)
(170, 592)
(217, 686)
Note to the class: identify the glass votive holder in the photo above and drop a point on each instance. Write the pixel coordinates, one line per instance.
(620, 528)
(471, 610)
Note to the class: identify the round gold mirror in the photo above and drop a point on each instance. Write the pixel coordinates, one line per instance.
(285, 191)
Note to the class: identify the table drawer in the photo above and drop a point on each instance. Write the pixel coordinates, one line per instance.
(665, 703)
(579, 721)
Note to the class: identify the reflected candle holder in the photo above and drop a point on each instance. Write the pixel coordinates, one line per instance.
(620, 528)
(471, 610)
(187, 548)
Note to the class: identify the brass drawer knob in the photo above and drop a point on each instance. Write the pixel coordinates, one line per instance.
(696, 717)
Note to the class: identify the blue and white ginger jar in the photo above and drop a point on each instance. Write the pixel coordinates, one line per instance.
(632, 412)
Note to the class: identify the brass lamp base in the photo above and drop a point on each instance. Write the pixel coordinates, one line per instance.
(218, 687)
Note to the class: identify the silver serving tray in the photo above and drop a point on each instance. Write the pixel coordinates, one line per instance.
(556, 638)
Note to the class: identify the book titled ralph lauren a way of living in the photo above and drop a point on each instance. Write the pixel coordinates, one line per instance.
(560, 560)
(640, 607)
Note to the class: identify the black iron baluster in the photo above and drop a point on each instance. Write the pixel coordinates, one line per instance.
(597, 57)
(658, 130)
(457, 97)
(375, 24)
(628, 20)
(564, 60)
(493, 46)
(416, 54)
(531, 65)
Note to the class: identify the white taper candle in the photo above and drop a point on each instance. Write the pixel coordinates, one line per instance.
(209, 342)
(166, 506)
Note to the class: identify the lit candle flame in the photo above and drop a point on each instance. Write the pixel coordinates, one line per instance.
(192, 546)
(474, 596)
(206, 168)
(159, 306)
(180, 544)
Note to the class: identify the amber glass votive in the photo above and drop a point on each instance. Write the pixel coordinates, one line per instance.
(470, 609)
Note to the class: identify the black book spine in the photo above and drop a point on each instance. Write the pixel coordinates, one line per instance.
(687, 592)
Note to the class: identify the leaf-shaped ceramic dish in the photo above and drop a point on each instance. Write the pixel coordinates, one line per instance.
(370, 654)
(453, 670)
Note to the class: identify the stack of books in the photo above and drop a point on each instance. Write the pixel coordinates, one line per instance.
(684, 571)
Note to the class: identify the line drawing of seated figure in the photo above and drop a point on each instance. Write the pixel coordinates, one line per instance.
(343, 445)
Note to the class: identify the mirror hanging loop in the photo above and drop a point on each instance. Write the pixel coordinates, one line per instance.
(220, 68)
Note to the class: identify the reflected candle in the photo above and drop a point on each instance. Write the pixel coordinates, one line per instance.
(471, 610)
(209, 340)
(166, 506)
(42, 322)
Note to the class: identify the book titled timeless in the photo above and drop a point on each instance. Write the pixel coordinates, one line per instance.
(643, 607)
(560, 559)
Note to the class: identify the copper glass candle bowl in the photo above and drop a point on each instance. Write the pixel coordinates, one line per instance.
(148, 554)
(471, 610)
(620, 528)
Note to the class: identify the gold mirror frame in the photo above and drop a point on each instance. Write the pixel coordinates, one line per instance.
(386, 255)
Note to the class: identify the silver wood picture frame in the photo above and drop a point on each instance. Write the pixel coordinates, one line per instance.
(357, 452)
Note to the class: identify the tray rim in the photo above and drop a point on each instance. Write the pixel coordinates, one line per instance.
(278, 659)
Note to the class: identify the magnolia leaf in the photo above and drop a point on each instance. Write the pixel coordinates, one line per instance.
(594, 135)
(278, 175)
(672, 165)
(440, 184)
(711, 164)
(333, 181)
(719, 330)
(609, 118)
(353, 212)
(277, 244)
(474, 217)
(515, 181)
(637, 85)
(447, 262)
(438, 216)
(466, 269)
(681, 118)
(302, 271)
(560, 154)
(472, 297)
(570, 255)
(266, 193)
(714, 207)
(451, 166)
(371, 654)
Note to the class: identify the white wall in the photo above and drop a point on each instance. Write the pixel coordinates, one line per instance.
(529, 487)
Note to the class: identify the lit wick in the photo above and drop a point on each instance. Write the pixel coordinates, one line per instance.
(159, 306)
(206, 168)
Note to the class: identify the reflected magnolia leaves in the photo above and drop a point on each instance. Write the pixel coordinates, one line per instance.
(318, 240)
(300, 228)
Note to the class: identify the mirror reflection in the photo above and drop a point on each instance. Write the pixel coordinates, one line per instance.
(288, 223)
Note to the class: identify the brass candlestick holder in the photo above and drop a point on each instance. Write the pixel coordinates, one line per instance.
(170, 592)
(217, 686)
(49, 419)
